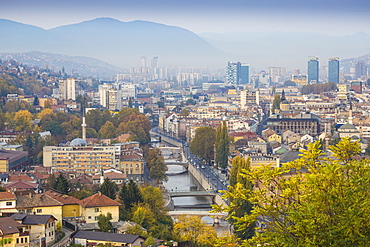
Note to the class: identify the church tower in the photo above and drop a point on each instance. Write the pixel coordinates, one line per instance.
(284, 104)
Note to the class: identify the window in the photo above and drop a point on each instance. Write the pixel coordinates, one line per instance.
(39, 210)
(9, 203)
(96, 217)
(97, 210)
(25, 239)
(17, 240)
(89, 217)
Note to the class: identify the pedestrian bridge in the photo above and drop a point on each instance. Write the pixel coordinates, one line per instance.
(191, 193)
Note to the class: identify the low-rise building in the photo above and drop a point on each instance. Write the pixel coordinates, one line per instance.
(98, 204)
(14, 234)
(40, 227)
(88, 238)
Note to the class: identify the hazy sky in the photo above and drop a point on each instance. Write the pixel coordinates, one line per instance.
(338, 17)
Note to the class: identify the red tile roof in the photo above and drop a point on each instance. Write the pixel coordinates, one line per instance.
(98, 200)
(19, 177)
(62, 198)
(7, 196)
(21, 185)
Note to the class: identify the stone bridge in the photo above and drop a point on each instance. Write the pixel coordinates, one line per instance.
(216, 216)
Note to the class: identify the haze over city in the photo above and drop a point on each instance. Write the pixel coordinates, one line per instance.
(261, 33)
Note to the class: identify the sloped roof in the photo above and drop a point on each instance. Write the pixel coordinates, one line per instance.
(9, 226)
(98, 200)
(107, 236)
(62, 198)
(19, 177)
(7, 196)
(21, 185)
(37, 200)
(37, 219)
(289, 156)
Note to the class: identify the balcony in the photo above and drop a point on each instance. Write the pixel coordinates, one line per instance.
(24, 233)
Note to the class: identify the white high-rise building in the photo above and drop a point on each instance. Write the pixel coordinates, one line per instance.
(103, 93)
(67, 89)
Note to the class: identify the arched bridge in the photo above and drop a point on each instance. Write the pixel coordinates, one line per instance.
(176, 162)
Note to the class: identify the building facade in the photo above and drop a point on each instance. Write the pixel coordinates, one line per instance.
(313, 70)
(333, 72)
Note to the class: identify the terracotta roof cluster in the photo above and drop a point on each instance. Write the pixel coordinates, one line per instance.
(98, 200)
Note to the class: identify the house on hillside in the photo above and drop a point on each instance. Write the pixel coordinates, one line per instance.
(98, 204)
(38, 226)
(14, 234)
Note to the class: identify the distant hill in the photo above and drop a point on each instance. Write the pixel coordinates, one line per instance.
(274, 49)
(83, 66)
(118, 43)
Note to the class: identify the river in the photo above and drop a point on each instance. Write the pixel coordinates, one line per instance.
(186, 182)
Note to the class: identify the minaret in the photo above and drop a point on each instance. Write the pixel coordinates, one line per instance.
(101, 176)
(83, 128)
(350, 117)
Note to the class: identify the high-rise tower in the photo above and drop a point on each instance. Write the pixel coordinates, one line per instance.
(333, 72)
(237, 73)
(361, 70)
(313, 70)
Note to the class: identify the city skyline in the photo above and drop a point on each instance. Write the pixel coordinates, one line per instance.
(326, 17)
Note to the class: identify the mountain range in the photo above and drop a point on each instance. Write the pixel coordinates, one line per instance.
(116, 42)
(84, 66)
(123, 43)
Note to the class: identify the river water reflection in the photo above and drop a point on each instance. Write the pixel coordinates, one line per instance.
(186, 182)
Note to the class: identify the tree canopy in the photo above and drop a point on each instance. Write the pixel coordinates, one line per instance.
(203, 143)
(319, 88)
(316, 200)
(108, 188)
(222, 145)
(157, 167)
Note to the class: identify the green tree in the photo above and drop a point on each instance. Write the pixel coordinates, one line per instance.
(61, 184)
(54, 127)
(222, 146)
(138, 126)
(143, 216)
(184, 112)
(203, 143)
(129, 195)
(36, 101)
(289, 83)
(104, 222)
(312, 201)
(157, 167)
(108, 188)
(95, 118)
(192, 229)
(108, 130)
(240, 207)
(276, 103)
